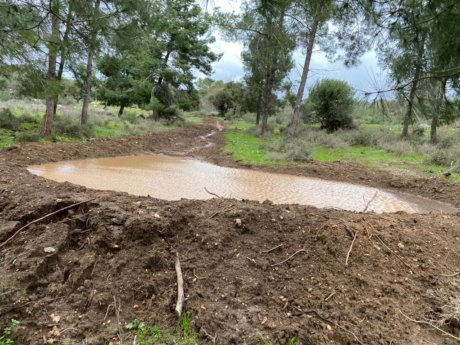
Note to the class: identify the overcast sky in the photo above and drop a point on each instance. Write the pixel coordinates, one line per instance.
(367, 76)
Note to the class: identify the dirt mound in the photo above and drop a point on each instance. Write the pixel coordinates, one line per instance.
(252, 272)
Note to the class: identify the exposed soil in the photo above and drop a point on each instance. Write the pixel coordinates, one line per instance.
(118, 246)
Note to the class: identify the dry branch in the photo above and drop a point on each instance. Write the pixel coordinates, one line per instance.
(451, 275)
(42, 218)
(431, 325)
(351, 248)
(370, 201)
(272, 249)
(180, 287)
(213, 194)
(289, 258)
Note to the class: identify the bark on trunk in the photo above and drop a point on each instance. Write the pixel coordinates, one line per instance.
(155, 114)
(410, 104)
(437, 113)
(89, 71)
(51, 75)
(63, 47)
(295, 120)
(120, 111)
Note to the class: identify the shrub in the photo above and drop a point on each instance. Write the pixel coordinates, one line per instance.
(223, 101)
(129, 116)
(69, 127)
(8, 120)
(297, 151)
(332, 101)
(28, 136)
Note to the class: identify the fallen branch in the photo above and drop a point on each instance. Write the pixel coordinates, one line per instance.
(42, 218)
(370, 201)
(391, 251)
(289, 258)
(451, 275)
(330, 296)
(351, 247)
(272, 249)
(213, 194)
(431, 325)
(180, 287)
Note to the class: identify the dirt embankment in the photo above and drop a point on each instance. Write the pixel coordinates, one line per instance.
(252, 271)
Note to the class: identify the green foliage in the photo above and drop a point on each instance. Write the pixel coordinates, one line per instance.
(5, 333)
(332, 101)
(8, 120)
(71, 127)
(154, 335)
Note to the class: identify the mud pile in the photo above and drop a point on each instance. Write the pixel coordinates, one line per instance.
(251, 270)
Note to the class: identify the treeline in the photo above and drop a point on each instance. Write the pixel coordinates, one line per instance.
(136, 52)
(418, 42)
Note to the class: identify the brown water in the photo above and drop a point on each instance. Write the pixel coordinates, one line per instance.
(174, 178)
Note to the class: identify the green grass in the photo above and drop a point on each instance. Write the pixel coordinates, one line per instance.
(6, 138)
(249, 148)
(5, 333)
(154, 335)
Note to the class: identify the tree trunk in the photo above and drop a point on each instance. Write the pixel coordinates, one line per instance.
(295, 120)
(410, 104)
(89, 71)
(63, 47)
(51, 75)
(120, 111)
(155, 114)
(266, 101)
(437, 112)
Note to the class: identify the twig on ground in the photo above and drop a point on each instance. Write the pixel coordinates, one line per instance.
(351, 248)
(330, 296)
(42, 218)
(180, 287)
(213, 194)
(370, 201)
(135, 340)
(252, 260)
(451, 275)
(391, 251)
(212, 338)
(431, 325)
(289, 258)
(272, 249)
(117, 306)
(198, 278)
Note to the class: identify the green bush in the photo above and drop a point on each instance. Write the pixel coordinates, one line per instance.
(69, 127)
(297, 151)
(8, 120)
(129, 116)
(332, 101)
(28, 136)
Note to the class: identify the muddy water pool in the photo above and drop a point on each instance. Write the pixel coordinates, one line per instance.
(174, 178)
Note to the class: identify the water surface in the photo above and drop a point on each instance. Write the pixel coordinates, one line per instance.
(174, 178)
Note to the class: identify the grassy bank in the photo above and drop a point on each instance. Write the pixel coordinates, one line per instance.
(373, 145)
(21, 121)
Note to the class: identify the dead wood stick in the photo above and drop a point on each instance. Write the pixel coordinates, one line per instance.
(289, 258)
(351, 248)
(272, 249)
(213, 194)
(330, 296)
(391, 251)
(42, 218)
(431, 325)
(370, 201)
(180, 287)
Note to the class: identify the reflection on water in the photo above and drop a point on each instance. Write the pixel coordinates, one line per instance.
(174, 178)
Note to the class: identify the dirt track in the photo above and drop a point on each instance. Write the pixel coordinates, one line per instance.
(123, 246)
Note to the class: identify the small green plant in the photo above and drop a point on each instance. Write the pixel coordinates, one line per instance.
(154, 335)
(5, 333)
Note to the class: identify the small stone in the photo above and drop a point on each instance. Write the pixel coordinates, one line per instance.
(328, 327)
(238, 222)
(156, 215)
(49, 250)
(400, 245)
